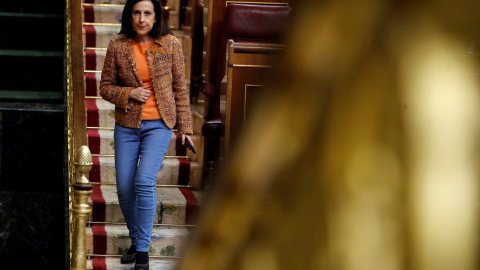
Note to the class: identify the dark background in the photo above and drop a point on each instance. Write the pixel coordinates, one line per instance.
(33, 149)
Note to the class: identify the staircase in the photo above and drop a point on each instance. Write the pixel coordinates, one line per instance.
(179, 182)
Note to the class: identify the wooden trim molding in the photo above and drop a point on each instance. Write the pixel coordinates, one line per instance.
(78, 76)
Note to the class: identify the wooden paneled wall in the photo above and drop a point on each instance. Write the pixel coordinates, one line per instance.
(248, 64)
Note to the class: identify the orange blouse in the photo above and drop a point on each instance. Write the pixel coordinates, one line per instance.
(150, 109)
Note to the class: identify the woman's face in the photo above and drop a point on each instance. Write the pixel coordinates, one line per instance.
(143, 18)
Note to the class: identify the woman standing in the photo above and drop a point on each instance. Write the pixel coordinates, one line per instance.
(144, 77)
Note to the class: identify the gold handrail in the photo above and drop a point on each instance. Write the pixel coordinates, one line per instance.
(81, 209)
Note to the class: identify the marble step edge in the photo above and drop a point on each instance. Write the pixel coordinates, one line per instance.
(199, 193)
(112, 262)
(174, 206)
(106, 122)
(102, 50)
(107, 133)
(103, 105)
(121, 3)
(92, 223)
(101, 143)
(114, 10)
(197, 109)
(114, 240)
(178, 197)
(172, 196)
(107, 167)
(110, 30)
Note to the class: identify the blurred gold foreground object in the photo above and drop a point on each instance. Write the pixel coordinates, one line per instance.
(364, 155)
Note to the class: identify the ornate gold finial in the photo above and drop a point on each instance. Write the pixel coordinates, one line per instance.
(84, 157)
(81, 210)
(83, 163)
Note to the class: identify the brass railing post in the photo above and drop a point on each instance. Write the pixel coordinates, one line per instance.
(81, 209)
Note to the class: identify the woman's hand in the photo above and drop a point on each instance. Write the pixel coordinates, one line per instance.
(187, 137)
(140, 94)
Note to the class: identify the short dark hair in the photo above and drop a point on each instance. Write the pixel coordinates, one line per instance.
(160, 28)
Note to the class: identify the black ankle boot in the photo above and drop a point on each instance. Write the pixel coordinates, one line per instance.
(130, 256)
(141, 266)
(142, 261)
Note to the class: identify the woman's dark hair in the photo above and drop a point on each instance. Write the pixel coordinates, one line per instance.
(160, 28)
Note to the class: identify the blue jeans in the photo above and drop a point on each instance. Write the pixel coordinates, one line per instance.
(139, 153)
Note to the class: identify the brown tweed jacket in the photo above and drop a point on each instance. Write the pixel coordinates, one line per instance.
(167, 67)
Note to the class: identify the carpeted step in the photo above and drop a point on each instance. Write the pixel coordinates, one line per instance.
(101, 142)
(103, 14)
(93, 60)
(95, 57)
(114, 2)
(111, 13)
(92, 79)
(122, 2)
(101, 113)
(175, 206)
(114, 240)
(175, 171)
(98, 36)
(113, 263)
